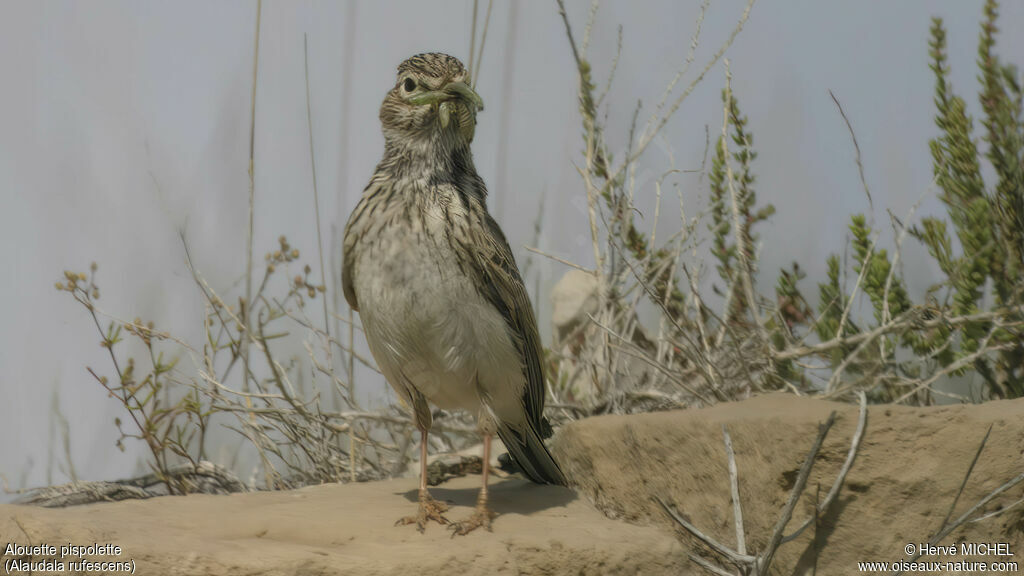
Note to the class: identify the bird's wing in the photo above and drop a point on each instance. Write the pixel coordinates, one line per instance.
(354, 229)
(346, 278)
(500, 283)
(346, 282)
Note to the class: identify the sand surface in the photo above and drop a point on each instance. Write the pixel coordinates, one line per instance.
(349, 529)
(905, 477)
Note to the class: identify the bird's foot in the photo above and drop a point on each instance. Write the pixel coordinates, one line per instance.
(480, 518)
(429, 509)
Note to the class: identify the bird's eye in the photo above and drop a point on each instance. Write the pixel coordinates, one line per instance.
(409, 85)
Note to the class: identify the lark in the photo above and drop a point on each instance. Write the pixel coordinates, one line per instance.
(441, 300)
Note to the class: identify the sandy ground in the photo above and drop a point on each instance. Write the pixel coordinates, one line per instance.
(906, 475)
(349, 529)
(903, 481)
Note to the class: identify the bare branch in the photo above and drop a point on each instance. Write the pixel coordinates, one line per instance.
(737, 511)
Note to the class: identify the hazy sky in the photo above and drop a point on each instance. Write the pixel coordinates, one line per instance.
(122, 123)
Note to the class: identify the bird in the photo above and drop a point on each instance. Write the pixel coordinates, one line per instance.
(442, 302)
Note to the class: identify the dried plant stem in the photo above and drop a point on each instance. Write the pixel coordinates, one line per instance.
(984, 349)
(559, 260)
(765, 559)
(659, 123)
(947, 527)
(252, 194)
(734, 489)
(823, 506)
(967, 476)
(760, 565)
(723, 550)
(902, 322)
(475, 71)
(320, 246)
(856, 150)
(316, 194)
(472, 37)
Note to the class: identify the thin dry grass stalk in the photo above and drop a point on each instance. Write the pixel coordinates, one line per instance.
(760, 564)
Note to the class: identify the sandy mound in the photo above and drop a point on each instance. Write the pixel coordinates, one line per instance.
(909, 468)
(907, 473)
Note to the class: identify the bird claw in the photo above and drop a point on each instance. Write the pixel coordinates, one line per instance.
(481, 517)
(429, 509)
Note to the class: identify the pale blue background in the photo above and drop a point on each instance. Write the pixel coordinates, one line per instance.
(121, 122)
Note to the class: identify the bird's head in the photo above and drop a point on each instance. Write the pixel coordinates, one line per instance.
(431, 99)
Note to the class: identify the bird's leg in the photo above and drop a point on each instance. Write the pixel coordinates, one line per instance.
(483, 515)
(429, 509)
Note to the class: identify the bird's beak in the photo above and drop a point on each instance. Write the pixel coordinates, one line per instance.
(467, 94)
(451, 91)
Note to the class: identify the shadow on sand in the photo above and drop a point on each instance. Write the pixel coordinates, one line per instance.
(507, 496)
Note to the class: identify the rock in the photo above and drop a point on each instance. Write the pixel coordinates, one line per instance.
(573, 298)
(588, 372)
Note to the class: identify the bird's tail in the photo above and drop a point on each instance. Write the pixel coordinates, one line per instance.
(531, 455)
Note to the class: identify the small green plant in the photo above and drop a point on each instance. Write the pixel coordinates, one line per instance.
(971, 318)
(969, 323)
(726, 244)
(988, 220)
